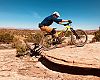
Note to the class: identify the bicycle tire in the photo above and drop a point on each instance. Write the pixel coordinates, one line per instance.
(66, 37)
(46, 42)
(82, 34)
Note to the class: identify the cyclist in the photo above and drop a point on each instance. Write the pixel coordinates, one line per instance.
(44, 25)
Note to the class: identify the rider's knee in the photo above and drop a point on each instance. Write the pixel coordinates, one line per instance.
(53, 31)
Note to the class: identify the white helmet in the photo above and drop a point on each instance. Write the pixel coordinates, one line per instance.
(56, 13)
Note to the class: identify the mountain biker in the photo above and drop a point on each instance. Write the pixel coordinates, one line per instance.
(44, 25)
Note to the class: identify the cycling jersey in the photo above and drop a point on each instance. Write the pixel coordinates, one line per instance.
(49, 20)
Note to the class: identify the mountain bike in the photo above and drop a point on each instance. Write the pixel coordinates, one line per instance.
(77, 37)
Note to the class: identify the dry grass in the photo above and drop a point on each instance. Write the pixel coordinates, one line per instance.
(16, 37)
(96, 37)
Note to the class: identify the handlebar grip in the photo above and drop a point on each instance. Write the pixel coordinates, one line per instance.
(66, 24)
(69, 21)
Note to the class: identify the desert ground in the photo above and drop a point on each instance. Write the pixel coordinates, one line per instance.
(66, 63)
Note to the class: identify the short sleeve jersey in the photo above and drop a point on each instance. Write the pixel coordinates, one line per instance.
(49, 20)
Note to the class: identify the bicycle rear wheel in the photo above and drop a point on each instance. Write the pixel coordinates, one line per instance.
(81, 38)
(47, 42)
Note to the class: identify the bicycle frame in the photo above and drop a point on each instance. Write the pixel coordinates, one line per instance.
(66, 29)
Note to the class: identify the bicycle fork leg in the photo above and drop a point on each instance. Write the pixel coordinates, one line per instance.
(75, 33)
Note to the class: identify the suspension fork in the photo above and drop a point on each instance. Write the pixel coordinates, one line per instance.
(75, 33)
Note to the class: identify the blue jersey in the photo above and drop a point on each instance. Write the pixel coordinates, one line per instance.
(49, 20)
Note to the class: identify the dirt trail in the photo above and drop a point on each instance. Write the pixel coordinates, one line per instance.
(87, 56)
(27, 68)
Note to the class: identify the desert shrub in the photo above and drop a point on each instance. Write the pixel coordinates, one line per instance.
(20, 46)
(6, 38)
(30, 38)
(35, 38)
(96, 36)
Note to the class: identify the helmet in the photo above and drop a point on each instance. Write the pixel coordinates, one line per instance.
(56, 13)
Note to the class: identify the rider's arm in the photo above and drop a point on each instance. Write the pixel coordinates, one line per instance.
(63, 21)
(56, 20)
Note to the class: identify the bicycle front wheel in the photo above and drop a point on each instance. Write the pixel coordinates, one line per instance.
(80, 38)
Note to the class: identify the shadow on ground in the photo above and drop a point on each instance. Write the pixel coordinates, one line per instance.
(69, 69)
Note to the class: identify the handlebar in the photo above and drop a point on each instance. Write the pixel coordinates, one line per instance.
(66, 24)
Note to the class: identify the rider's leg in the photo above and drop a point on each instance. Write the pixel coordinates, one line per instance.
(54, 32)
(46, 28)
(51, 30)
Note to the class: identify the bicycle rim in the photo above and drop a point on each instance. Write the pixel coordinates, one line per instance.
(81, 41)
(47, 42)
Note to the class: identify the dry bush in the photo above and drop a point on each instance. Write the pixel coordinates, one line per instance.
(20, 45)
(6, 38)
(34, 38)
(96, 37)
(16, 38)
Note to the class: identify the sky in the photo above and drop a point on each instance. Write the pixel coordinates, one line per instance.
(26, 14)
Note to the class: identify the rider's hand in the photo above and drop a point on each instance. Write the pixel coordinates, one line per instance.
(69, 21)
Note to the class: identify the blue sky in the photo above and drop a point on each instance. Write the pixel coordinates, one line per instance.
(85, 14)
